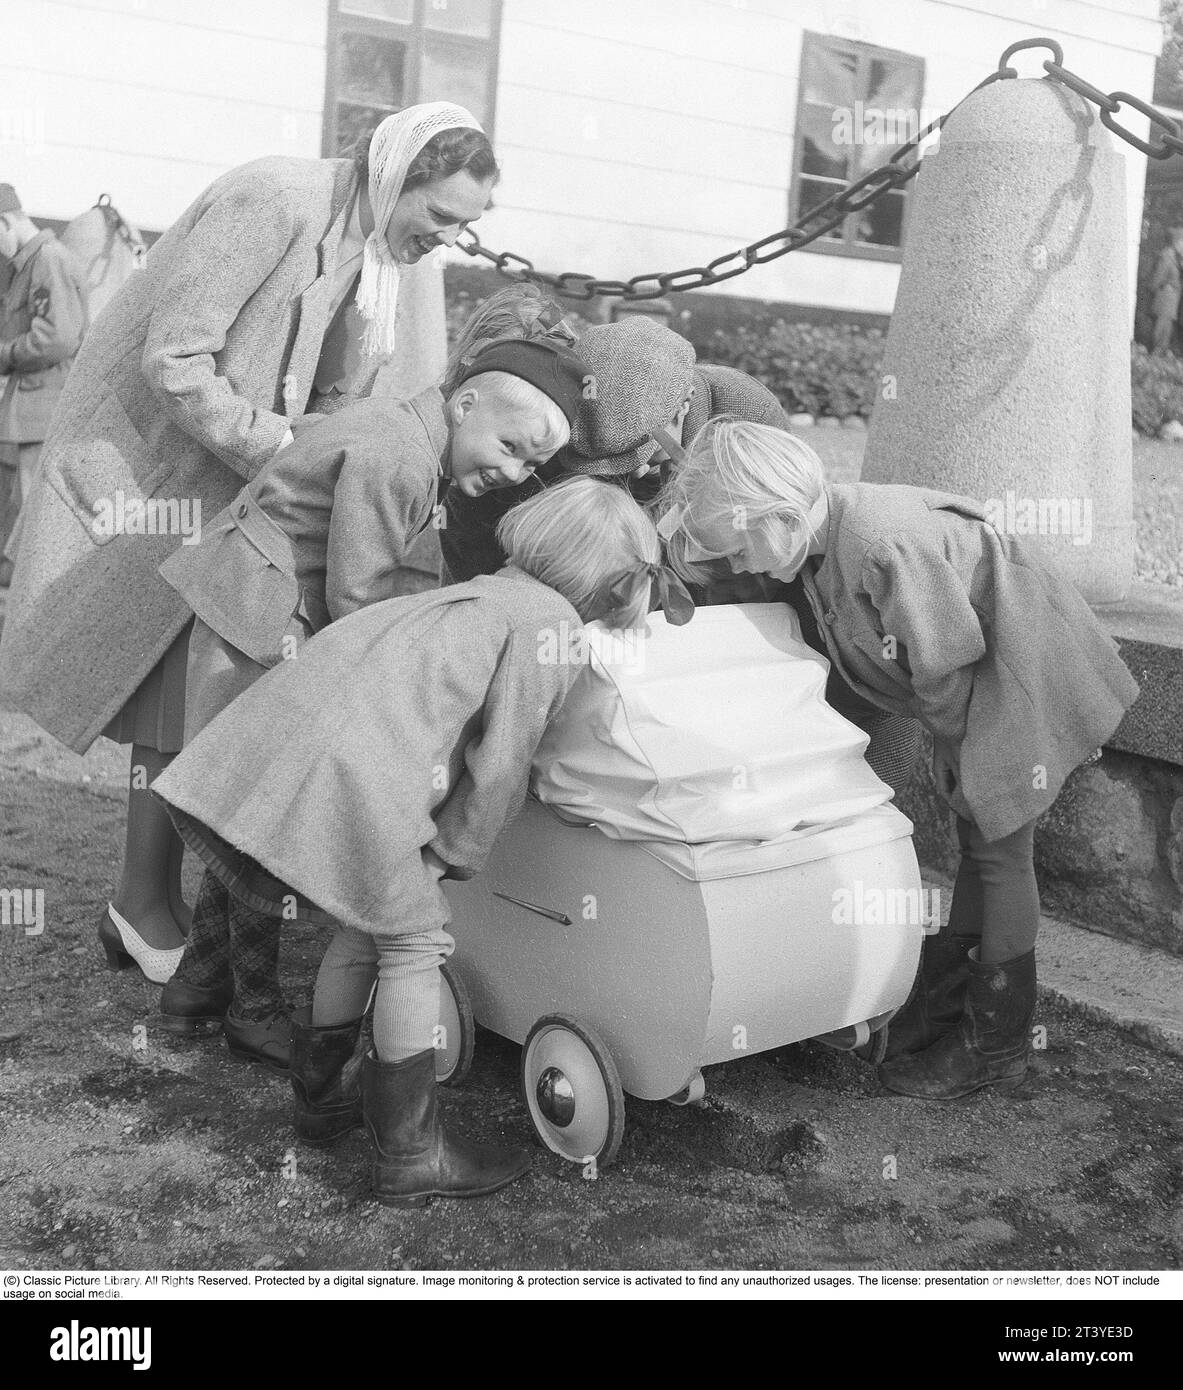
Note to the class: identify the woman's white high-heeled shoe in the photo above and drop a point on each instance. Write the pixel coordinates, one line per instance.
(124, 946)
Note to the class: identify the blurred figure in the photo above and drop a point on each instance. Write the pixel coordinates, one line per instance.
(42, 320)
(1165, 286)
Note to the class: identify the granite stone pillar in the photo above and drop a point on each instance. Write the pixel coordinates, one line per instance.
(1006, 374)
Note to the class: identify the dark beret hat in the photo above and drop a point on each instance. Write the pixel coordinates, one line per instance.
(555, 370)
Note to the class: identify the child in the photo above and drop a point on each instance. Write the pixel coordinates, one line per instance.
(928, 611)
(319, 533)
(388, 756)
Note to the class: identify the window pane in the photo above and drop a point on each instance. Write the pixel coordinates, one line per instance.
(814, 191)
(820, 154)
(401, 10)
(881, 223)
(828, 76)
(893, 86)
(460, 16)
(370, 71)
(356, 121)
(456, 74)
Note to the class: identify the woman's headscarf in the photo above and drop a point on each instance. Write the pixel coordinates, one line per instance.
(394, 145)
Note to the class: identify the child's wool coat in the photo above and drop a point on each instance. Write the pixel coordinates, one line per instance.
(928, 611)
(412, 722)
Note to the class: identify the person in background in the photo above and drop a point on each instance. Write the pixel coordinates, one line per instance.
(42, 319)
(1166, 285)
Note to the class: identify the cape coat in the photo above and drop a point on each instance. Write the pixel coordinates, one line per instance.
(928, 611)
(183, 388)
(412, 722)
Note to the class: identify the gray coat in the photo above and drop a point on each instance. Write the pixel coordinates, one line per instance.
(182, 390)
(929, 612)
(323, 528)
(412, 722)
(42, 320)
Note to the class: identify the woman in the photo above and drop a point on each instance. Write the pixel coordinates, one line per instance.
(192, 378)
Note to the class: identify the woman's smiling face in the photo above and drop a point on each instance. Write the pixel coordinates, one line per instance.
(434, 214)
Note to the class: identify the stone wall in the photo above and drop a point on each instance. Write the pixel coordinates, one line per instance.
(1108, 855)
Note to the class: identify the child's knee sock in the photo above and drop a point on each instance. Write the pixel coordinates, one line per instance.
(206, 962)
(254, 962)
(407, 1005)
(345, 979)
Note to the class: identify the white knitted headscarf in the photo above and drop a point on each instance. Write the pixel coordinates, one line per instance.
(394, 145)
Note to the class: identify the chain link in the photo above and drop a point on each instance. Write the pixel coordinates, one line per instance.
(831, 213)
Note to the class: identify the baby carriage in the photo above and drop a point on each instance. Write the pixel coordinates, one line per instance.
(706, 868)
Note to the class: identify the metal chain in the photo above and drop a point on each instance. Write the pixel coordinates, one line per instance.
(823, 218)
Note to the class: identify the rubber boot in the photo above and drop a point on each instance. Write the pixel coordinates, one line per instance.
(415, 1157)
(937, 1000)
(989, 1046)
(327, 1089)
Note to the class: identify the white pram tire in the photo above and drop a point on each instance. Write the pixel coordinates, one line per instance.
(572, 1091)
(453, 1056)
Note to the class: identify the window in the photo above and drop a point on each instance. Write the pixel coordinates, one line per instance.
(857, 103)
(388, 54)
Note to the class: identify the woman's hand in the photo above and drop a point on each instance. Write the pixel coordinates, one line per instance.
(434, 863)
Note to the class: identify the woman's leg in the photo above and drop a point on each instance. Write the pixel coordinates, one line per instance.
(144, 896)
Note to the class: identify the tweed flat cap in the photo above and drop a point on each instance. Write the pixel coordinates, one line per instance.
(642, 372)
(9, 202)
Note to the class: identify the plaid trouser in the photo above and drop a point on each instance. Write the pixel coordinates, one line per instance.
(232, 942)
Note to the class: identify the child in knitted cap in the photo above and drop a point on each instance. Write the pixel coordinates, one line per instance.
(320, 532)
(389, 755)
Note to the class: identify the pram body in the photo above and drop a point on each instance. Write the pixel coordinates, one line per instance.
(628, 965)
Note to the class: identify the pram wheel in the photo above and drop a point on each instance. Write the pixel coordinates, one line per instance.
(572, 1091)
(457, 1037)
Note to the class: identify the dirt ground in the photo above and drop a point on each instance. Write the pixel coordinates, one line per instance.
(120, 1148)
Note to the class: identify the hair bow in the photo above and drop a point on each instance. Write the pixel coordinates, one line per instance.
(618, 596)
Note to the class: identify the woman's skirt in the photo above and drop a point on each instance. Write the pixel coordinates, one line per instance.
(154, 717)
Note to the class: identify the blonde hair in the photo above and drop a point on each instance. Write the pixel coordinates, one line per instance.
(738, 475)
(577, 534)
(517, 311)
(524, 398)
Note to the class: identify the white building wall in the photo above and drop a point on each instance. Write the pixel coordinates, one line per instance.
(659, 135)
(149, 100)
(636, 135)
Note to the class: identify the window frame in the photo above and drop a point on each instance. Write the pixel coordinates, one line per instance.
(343, 21)
(866, 53)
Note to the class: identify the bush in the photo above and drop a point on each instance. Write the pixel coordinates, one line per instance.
(825, 369)
(1156, 383)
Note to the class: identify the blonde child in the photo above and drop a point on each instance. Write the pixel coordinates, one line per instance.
(928, 611)
(319, 533)
(390, 755)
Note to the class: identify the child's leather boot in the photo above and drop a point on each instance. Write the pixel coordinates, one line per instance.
(990, 1045)
(937, 1000)
(415, 1157)
(327, 1088)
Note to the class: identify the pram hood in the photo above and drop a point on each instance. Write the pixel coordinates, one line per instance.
(716, 734)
